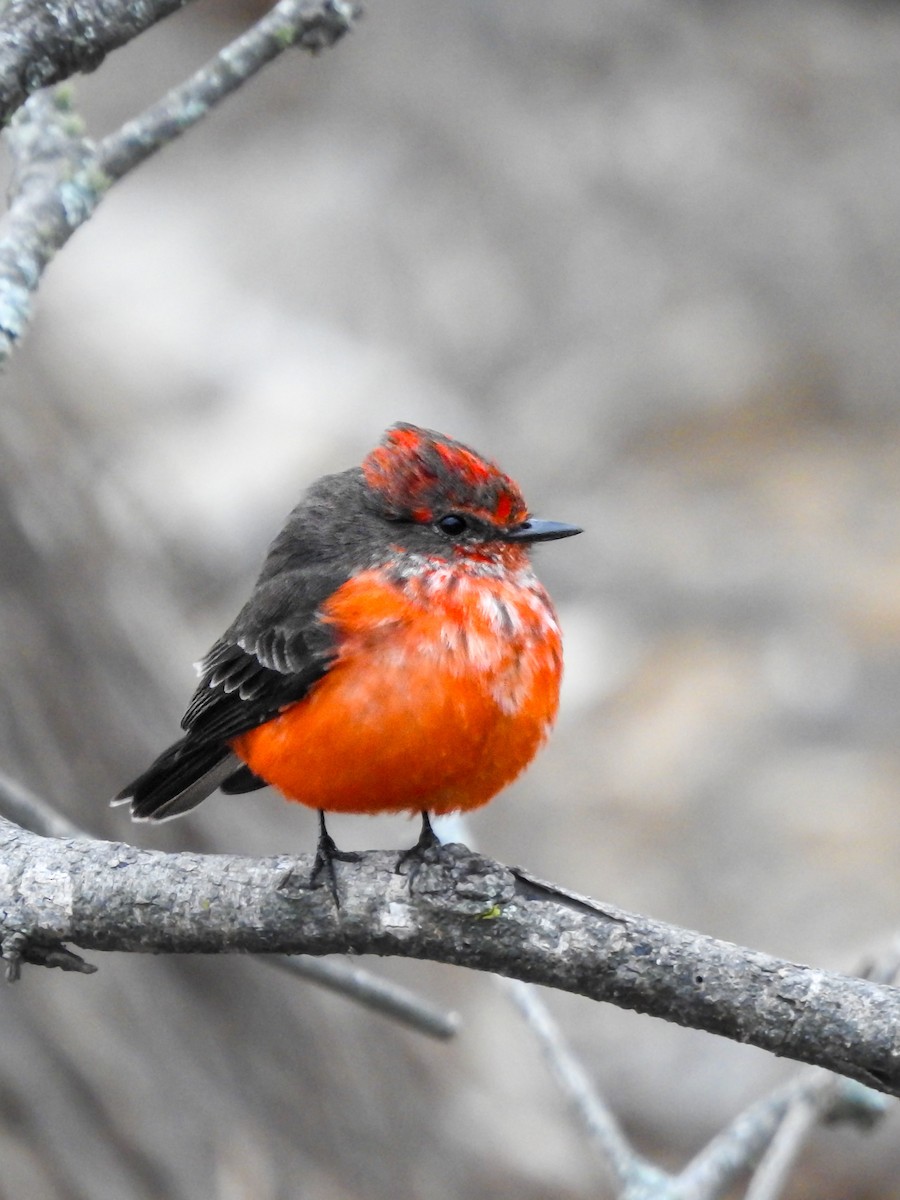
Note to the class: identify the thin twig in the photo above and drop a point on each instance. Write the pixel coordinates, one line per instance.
(772, 1175)
(380, 995)
(628, 1170)
(768, 1128)
(620, 1162)
(745, 1142)
(739, 1146)
(23, 807)
(62, 177)
(313, 26)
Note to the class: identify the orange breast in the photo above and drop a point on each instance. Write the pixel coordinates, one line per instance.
(444, 687)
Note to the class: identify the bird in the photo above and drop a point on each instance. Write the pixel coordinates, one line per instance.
(397, 652)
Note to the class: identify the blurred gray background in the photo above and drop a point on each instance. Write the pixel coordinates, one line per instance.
(645, 254)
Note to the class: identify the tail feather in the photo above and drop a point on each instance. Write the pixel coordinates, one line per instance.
(178, 780)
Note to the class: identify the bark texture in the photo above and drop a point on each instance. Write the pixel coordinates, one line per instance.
(455, 907)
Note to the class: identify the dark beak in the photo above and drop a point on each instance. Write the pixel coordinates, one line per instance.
(534, 530)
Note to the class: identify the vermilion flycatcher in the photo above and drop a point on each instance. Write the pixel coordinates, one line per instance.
(397, 652)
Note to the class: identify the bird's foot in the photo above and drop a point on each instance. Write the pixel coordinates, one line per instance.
(426, 850)
(327, 854)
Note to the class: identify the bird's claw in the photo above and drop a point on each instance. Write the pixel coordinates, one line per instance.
(327, 854)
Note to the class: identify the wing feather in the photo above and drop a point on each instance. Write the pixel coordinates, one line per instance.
(279, 646)
(268, 659)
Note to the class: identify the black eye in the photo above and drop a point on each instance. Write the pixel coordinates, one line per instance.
(453, 524)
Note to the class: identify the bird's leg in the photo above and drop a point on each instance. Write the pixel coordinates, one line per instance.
(427, 843)
(428, 839)
(327, 854)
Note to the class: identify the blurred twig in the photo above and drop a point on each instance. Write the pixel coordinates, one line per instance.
(31, 812)
(380, 995)
(737, 1148)
(773, 1173)
(630, 1173)
(755, 1134)
(311, 26)
(61, 176)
